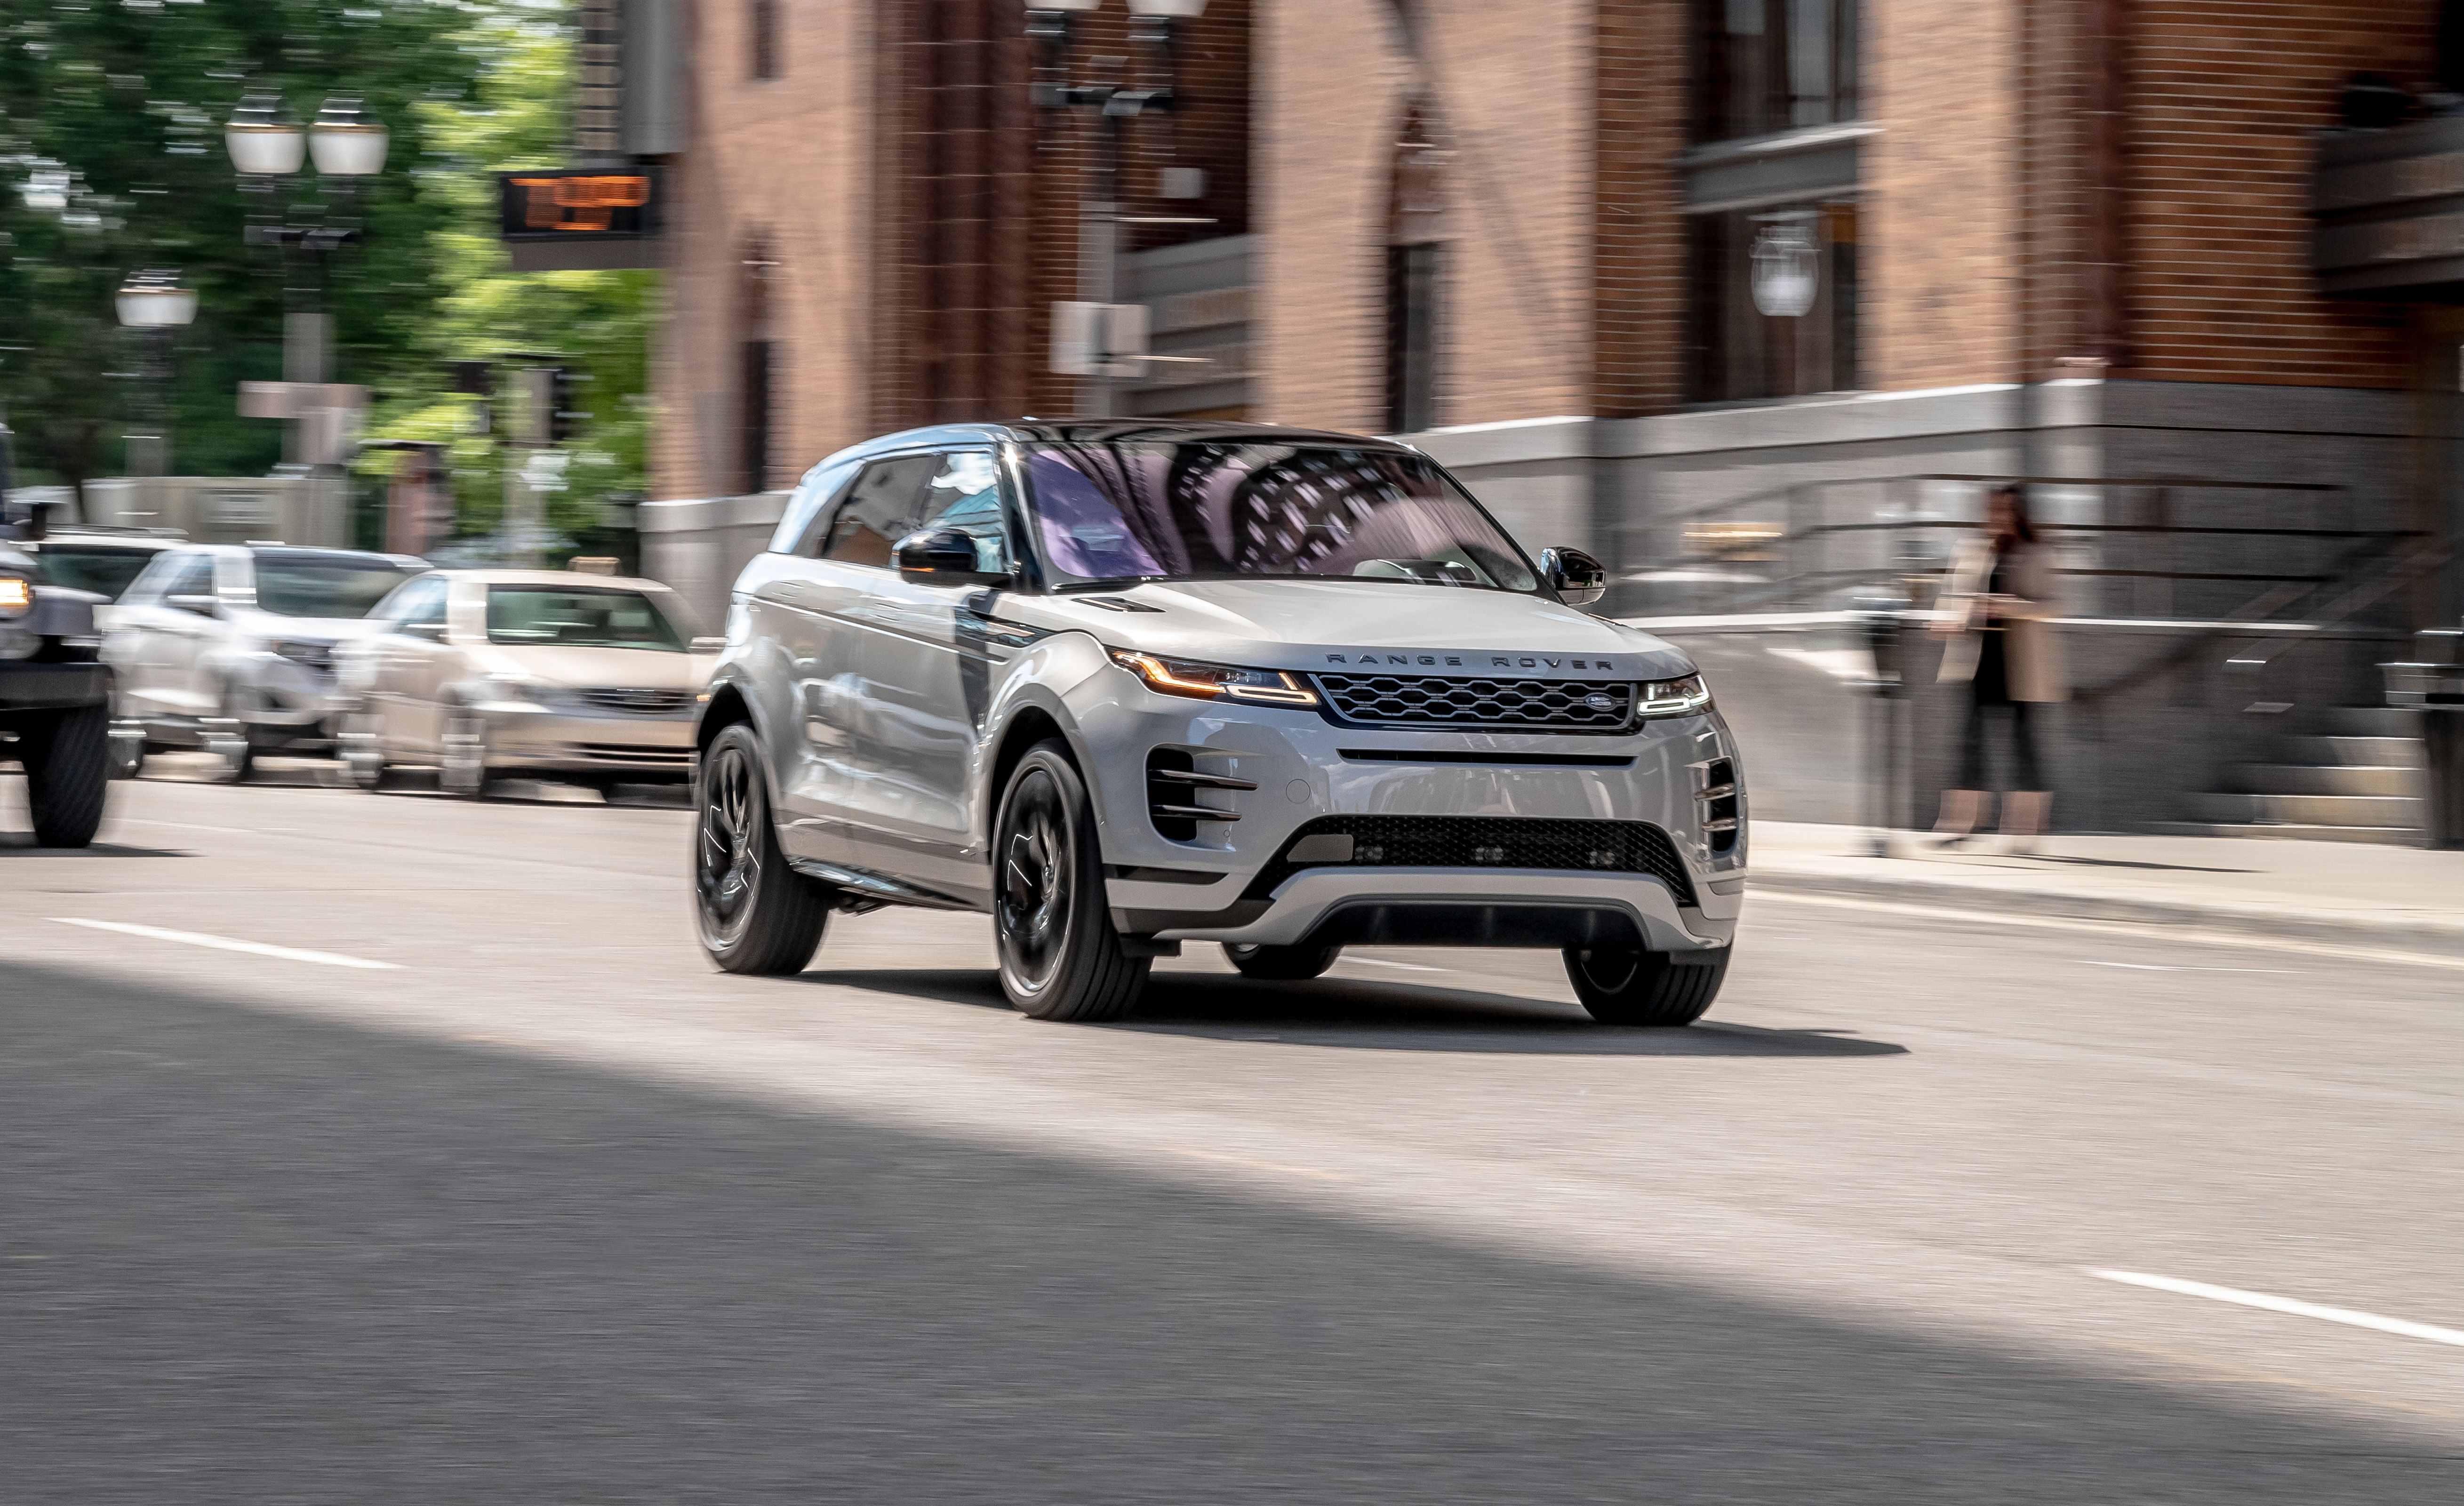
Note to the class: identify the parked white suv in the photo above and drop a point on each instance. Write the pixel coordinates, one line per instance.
(1125, 684)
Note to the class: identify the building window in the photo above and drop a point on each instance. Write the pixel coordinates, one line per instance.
(762, 29)
(1411, 338)
(1776, 305)
(1765, 66)
(756, 354)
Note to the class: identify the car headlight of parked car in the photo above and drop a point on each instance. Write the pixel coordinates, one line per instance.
(1216, 681)
(1675, 698)
(306, 653)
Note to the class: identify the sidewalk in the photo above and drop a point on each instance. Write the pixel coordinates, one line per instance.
(2347, 893)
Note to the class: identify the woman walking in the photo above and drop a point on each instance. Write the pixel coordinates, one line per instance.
(1997, 606)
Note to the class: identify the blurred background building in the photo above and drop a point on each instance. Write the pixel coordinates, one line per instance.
(1748, 297)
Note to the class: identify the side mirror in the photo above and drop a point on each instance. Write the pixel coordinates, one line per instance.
(944, 557)
(707, 645)
(432, 631)
(204, 605)
(1577, 579)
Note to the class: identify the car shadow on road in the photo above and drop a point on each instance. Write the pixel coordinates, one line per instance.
(1377, 1016)
(21, 844)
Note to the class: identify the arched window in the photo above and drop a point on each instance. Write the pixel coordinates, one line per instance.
(1415, 242)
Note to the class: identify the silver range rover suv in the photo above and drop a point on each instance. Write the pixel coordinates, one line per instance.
(1125, 684)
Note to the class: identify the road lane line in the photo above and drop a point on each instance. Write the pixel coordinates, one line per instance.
(2153, 968)
(2286, 1304)
(1409, 968)
(2144, 930)
(292, 954)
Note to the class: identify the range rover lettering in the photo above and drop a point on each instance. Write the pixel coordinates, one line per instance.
(1124, 685)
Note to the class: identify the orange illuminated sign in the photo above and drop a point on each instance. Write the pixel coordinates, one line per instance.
(577, 203)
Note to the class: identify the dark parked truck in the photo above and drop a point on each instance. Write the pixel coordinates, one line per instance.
(54, 692)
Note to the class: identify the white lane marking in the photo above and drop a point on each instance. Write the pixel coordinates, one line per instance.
(1275, 1166)
(2286, 1304)
(2153, 968)
(292, 954)
(2142, 929)
(1409, 968)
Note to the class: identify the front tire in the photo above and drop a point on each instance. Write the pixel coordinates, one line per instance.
(1281, 963)
(462, 767)
(1059, 957)
(1622, 985)
(754, 913)
(68, 765)
(361, 746)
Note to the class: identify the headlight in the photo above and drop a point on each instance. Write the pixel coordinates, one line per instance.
(311, 654)
(16, 595)
(1216, 681)
(1675, 698)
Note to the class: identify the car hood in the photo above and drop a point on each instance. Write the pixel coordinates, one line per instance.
(630, 668)
(1334, 624)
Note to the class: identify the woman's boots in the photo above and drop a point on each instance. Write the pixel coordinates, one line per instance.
(1961, 809)
(2024, 815)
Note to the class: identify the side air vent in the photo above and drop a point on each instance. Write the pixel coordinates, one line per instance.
(1173, 786)
(1717, 798)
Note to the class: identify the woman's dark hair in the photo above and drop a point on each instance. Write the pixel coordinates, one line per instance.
(2020, 523)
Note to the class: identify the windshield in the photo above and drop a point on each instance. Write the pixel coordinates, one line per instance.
(1217, 510)
(579, 617)
(333, 586)
(107, 571)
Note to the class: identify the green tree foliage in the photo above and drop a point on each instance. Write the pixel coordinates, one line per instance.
(111, 159)
(593, 323)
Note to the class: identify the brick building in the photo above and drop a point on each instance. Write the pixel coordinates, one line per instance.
(1732, 292)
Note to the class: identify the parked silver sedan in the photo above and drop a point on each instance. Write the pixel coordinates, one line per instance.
(480, 673)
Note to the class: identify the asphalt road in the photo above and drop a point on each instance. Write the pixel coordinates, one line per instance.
(546, 1211)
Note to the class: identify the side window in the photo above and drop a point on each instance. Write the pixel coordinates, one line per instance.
(799, 529)
(965, 494)
(151, 581)
(885, 505)
(191, 576)
(423, 600)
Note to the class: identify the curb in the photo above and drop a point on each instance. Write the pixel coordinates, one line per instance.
(2443, 939)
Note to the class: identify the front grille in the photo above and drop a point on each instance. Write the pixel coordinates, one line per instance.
(1517, 705)
(1611, 847)
(643, 701)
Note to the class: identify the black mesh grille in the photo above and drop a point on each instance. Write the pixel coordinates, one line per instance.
(1434, 701)
(1613, 847)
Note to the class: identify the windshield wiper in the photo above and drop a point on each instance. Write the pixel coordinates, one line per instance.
(1110, 582)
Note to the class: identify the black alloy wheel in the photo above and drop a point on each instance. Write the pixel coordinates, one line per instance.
(1059, 957)
(1281, 963)
(1621, 986)
(754, 913)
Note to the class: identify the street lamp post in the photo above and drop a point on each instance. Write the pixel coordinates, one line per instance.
(346, 144)
(1049, 25)
(154, 304)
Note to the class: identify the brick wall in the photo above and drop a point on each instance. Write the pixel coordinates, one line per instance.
(1938, 218)
(1638, 237)
(777, 163)
(2228, 95)
(1512, 89)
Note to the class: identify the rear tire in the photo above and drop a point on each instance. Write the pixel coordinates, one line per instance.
(127, 741)
(361, 743)
(68, 767)
(1281, 963)
(754, 913)
(1059, 957)
(1657, 989)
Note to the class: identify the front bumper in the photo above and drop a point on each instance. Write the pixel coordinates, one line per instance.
(1305, 767)
(51, 687)
(548, 740)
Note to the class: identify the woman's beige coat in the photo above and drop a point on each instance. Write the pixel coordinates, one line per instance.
(2032, 645)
